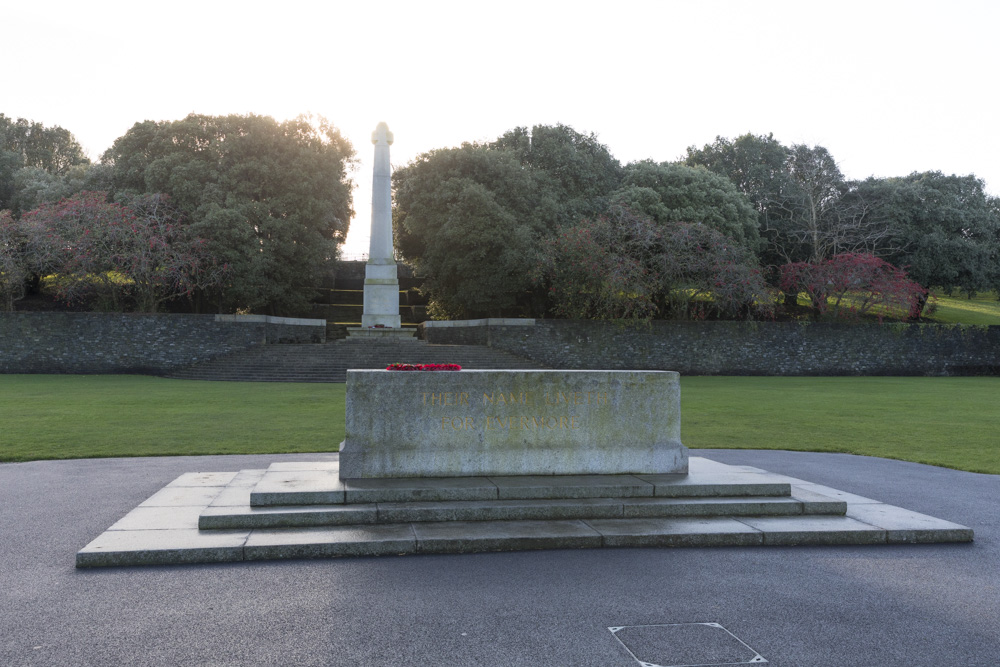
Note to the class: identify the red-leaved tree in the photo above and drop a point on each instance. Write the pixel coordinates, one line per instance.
(851, 285)
(137, 252)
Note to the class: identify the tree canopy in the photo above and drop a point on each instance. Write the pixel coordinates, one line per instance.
(468, 218)
(945, 229)
(669, 192)
(806, 209)
(475, 220)
(116, 256)
(31, 152)
(273, 200)
(626, 267)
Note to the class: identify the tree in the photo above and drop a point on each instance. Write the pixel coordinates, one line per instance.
(51, 148)
(669, 192)
(273, 200)
(945, 229)
(599, 269)
(117, 254)
(852, 285)
(14, 260)
(498, 203)
(468, 219)
(814, 204)
(471, 218)
(627, 267)
(575, 170)
(806, 208)
(26, 144)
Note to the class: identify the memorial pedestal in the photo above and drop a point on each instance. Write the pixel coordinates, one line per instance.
(492, 422)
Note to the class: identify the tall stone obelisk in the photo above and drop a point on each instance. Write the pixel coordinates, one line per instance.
(381, 282)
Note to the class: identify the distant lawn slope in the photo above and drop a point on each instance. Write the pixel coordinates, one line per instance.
(981, 309)
(951, 422)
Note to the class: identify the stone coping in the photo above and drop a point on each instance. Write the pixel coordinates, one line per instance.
(490, 321)
(270, 319)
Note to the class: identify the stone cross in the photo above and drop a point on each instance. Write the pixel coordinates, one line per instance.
(381, 284)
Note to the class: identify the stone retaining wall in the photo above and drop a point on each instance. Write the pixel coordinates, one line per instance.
(137, 343)
(738, 348)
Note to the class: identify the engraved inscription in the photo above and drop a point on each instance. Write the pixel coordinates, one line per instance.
(571, 406)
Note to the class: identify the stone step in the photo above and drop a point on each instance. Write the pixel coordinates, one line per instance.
(187, 545)
(299, 484)
(245, 516)
(165, 528)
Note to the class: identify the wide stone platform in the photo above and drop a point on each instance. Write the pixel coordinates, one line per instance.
(304, 510)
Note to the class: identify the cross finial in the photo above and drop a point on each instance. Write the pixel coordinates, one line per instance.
(382, 134)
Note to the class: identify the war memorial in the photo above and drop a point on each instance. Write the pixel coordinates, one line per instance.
(467, 461)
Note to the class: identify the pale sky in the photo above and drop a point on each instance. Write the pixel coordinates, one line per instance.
(888, 87)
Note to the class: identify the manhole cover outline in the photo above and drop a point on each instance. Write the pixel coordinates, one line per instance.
(757, 658)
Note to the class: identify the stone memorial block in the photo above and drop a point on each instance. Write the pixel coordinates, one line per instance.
(494, 422)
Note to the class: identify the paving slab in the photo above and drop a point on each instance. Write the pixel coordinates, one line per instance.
(298, 487)
(711, 506)
(413, 489)
(162, 547)
(159, 518)
(500, 510)
(237, 492)
(233, 496)
(247, 478)
(182, 496)
(220, 517)
(470, 536)
(397, 539)
(789, 531)
(906, 527)
(675, 532)
(203, 479)
(571, 486)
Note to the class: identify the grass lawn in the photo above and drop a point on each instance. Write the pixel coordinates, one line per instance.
(83, 416)
(953, 422)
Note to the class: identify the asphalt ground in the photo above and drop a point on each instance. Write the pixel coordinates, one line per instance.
(795, 606)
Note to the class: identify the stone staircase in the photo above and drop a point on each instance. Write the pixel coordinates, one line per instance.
(305, 510)
(328, 362)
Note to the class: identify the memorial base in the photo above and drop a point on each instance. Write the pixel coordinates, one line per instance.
(519, 422)
(304, 510)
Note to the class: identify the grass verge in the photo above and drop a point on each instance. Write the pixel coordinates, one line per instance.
(950, 422)
(89, 416)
